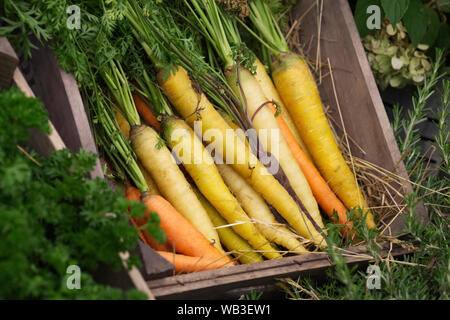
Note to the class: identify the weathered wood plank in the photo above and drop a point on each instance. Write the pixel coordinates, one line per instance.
(63, 102)
(43, 144)
(8, 63)
(153, 265)
(82, 123)
(210, 284)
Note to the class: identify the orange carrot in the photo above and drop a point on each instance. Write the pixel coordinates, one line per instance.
(133, 194)
(322, 192)
(141, 234)
(145, 112)
(155, 244)
(180, 233)
(187, 264)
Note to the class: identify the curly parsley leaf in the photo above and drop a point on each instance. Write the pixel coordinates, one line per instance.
(53, 217)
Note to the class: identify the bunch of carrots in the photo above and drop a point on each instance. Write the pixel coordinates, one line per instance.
(214, 214)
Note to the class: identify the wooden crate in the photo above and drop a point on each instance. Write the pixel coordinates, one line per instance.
(364, 117)
(366, 122)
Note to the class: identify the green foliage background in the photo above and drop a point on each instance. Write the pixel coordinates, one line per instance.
(51, 216)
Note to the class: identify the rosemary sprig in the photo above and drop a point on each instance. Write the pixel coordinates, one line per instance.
(443, 136)
(405, 128)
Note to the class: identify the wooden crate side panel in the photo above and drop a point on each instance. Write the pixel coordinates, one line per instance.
(211, 284)
(45, 79)
(82, 122)
(43, 143)
(59, 92)
(8, 63)
(153, 265)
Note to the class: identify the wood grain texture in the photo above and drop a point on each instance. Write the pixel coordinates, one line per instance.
(213, 284)
(59, 92)
(153, 265)
(43, 143)
(8, 63)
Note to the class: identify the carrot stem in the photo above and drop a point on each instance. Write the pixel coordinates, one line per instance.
(133, 194)
(146, 113)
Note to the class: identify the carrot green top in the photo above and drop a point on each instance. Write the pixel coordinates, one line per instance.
(267, 26)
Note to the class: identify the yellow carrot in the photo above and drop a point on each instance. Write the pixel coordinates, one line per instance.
(242, 81)
(152, 187)
(257, 209)
(159, 162)
(271, 94)
(193, 106)
(230, 239)
(298, 89)
(238, 130)
(124, 126)
(200, 165)
(324, 195)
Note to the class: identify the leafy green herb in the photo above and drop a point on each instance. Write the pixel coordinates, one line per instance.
(27, 18)
(405, 128)
(53, 217)
(252, 295)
